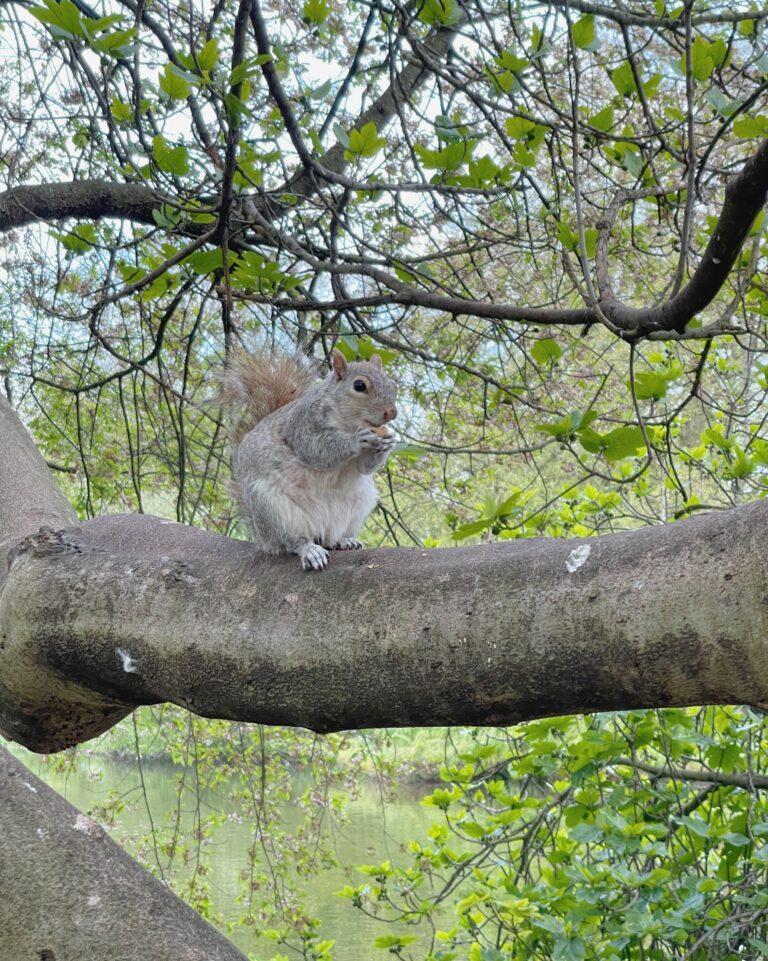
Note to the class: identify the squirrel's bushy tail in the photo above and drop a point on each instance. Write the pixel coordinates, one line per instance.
(255, 385)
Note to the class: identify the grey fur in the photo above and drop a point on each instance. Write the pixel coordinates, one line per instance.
(304, 472)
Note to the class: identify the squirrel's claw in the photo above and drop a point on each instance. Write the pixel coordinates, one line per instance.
(348, 544)
(313, 557)
(369, 440)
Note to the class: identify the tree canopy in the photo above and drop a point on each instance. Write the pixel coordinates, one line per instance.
(547, 219)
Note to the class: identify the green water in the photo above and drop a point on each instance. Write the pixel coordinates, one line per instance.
(375, 830)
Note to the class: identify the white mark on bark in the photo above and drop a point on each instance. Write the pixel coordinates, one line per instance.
(29, 787)
(715, 260)
(129, 665)
(577, 558)
(93, 900)
(291, 598)
(85, 825)
(42, 833)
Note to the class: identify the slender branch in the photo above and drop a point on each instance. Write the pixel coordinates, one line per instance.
(750, 782)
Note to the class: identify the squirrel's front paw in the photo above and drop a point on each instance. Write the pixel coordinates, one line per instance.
(369, 440)
(313, 557)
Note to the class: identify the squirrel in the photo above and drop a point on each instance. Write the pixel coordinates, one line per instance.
(304, 452)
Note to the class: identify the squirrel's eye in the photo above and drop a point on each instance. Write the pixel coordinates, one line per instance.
(359, 386)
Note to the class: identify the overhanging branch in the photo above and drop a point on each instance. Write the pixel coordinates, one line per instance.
(745, 196)
(78, 199)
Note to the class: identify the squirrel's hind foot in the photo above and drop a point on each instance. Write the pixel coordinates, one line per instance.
(313, 557)
(347, 544)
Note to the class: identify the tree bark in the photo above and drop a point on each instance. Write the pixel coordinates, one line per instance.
(69, 893)
(131, 610)
(79, 199)
(29, 497)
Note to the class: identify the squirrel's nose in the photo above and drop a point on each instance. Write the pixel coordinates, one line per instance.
(390, 413)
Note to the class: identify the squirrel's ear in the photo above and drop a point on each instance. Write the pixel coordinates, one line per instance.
(339, 362)
(375, 360)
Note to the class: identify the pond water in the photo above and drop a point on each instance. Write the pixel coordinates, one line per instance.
(375, 830)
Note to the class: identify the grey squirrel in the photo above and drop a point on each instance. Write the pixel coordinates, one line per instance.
(304, 451)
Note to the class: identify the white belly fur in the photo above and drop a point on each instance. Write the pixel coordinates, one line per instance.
(323, 505)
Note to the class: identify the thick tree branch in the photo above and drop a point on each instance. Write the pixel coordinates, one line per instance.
(133, 610)
(618, 14)
(79, 199)
(29, 497)
(68, 892)
(745, 196)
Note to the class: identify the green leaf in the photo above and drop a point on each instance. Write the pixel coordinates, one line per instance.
(569, 949)
(602, 120)
(653, 384)
(476, 527)
(715, 437)
(520, 128)
(572, 423)
(742, 465)
(706, 55)
(62, 19)
(591, 440)
(623, 79)
(446, 12)
(316, 11)
(410, 451)
(248, 68)
(566, 236)
(364, 142)
(208, 57)
(546, 350)
(115, 44)
(205, 261)
(583, 33)
(697, 825)
(395, 940)
(623, 442)
(79, 240)
(120, 110)
(473, 829)
(173, 160)
(174, 85)
(750, 128)
(366, 349)
(725, 106)
(451, 157)
(746, 28)
(167, 217)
